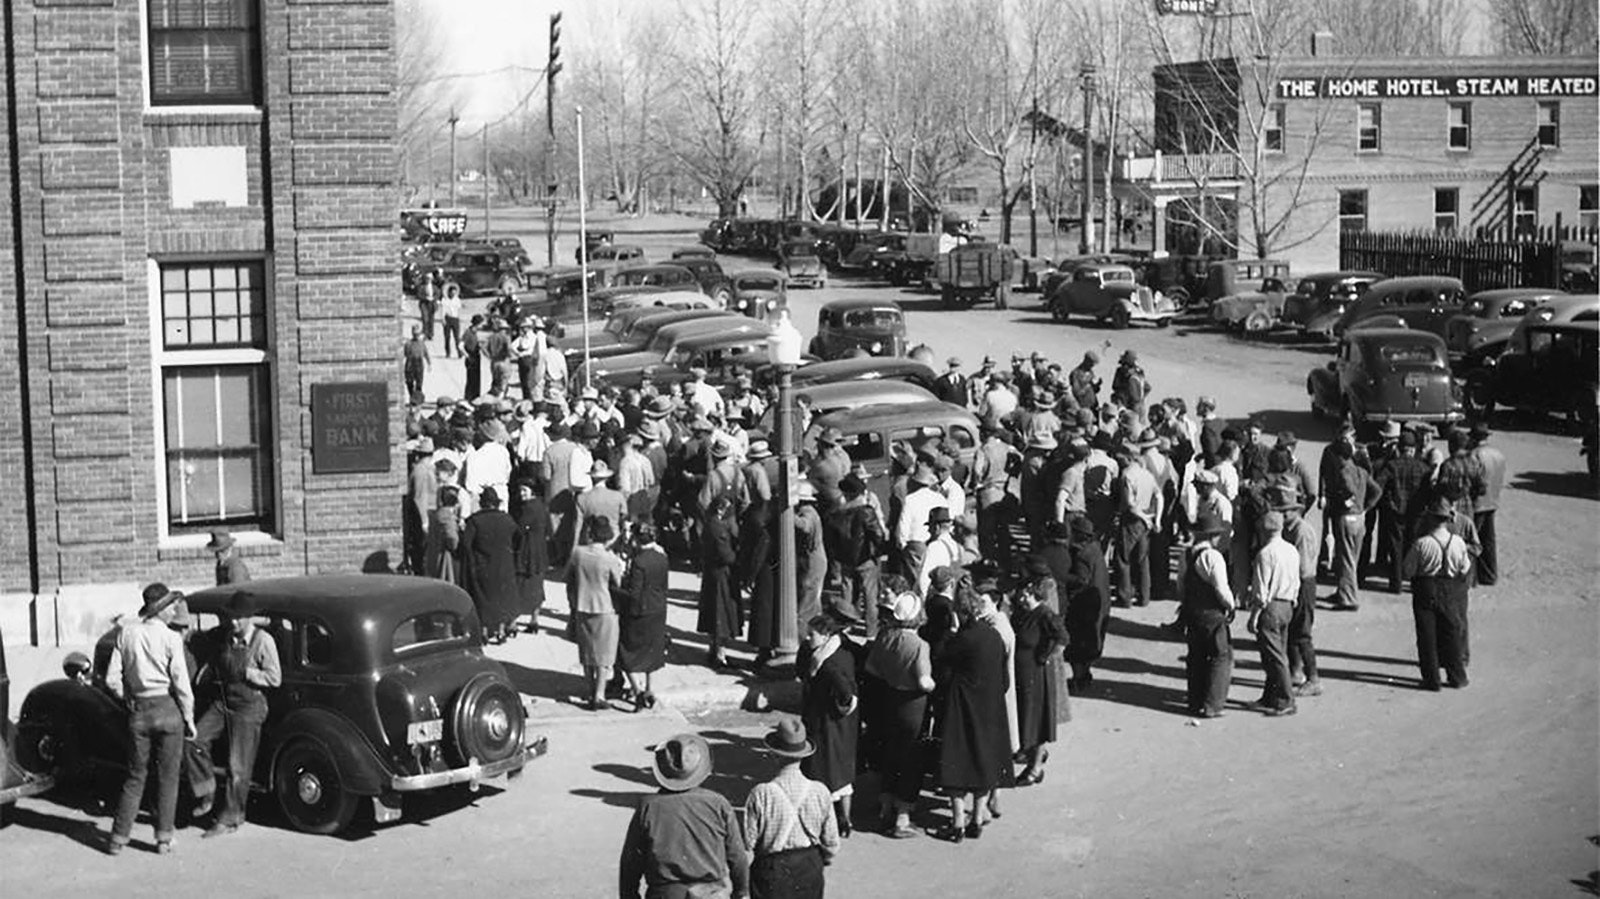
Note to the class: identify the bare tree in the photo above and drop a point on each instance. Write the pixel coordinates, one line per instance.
(716, 138)
(799, 85)
(1544, 27)
(424, 92)
(1396, 27)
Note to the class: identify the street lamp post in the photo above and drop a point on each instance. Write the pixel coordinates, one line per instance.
(1086, 78)
(783, 351)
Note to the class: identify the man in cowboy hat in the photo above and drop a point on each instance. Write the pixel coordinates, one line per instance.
(790, 827)
(683, 841)
(148, 672)
(243, 666)
(1492, 462)
(1439, 565)
(230, 568)
(1205, 611)
(1274, 590)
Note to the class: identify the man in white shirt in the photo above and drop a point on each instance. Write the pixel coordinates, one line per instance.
(487, 465)
(1274, 589)
(911, 530)
(942, 547)
(1139, 516)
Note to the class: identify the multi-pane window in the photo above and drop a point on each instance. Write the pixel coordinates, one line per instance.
(1369, 127)
(1446, 208)
(1460, 128)
(1589, 206)
(1525, 217)
(204, 52)
(1272, 133)
(216, 396)
(1352, 210)
(1550, 123)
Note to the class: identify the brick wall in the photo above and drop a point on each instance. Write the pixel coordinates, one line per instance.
(97, 207)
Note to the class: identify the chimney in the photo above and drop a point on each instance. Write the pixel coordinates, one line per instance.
(1322, 43)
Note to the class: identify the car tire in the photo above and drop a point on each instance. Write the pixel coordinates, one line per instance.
(1056, 313)
(1120, 318)
(1163, 322)
(508, 284)
(306, 782)
(1179, 298)
(49, 745)
(722, 298)
(1257, 322)
(487, 722)
(1002, 297)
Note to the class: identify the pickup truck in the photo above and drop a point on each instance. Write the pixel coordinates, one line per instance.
(977, 271)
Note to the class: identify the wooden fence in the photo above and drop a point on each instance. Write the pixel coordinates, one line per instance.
(1531, 260)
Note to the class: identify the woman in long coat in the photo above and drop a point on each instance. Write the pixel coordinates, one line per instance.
(532, 547)
(641, 604)
(898, 675)
(439, 555)
(1039, 639)
(830, 709)
(811, 553)
(758, 572)
(719, 600)
(1088, 605)
(489, 564)
(974, 735)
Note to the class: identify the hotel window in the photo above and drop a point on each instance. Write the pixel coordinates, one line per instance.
(204, 52)
(1525, 218)
(1352, 210)
(1446, 206)
(1589, 206)
(1369, 127)
(1460, 117)
(1272, 133)
(216, 395)
(1550, 123)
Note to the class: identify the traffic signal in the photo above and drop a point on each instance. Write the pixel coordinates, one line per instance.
(554, 65)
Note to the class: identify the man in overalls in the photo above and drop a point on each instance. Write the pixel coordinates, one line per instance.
(1207, 611)
(243, 666)
(1440, 568)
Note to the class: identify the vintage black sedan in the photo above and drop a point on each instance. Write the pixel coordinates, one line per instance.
(1387, 374)
(759, 293)
(875, 327)
(1556, 370)
(386, 691)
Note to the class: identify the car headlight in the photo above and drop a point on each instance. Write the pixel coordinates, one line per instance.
(743, 303)
(772, 304)
(877, 346)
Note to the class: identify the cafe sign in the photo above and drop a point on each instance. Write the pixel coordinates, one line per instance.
(349, 427)
(1385, 87)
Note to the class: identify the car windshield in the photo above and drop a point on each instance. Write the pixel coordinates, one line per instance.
(872, 318)
(800, 249)
(1409, 354)
(1117, 274)
(1311, 287)
(758, 284)
(430, 627)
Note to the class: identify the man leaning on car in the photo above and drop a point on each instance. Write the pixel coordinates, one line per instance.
(148, 672)
(243, 665)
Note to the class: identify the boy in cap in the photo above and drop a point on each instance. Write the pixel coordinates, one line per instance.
(684, 840)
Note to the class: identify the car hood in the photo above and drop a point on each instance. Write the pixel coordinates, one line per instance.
(633, 361)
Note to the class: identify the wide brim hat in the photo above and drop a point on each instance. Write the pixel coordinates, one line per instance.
(682, 762)
(789, 740)
(1480, 429)
(220, 540)
(1283, 499)
(902, 607)
(952, 362)
(1129, 357)
(181, 616)
(599, 471)
(832, 436)
(1083, 528)
(759, 449)
(939, 515)
(1206, 476)
(1209, 525)
(1391, 430)
(1043, 442)
(1441, 508)
(660, 407)
(805, 492)
(239, 605)
(156, 606)
(720, 450)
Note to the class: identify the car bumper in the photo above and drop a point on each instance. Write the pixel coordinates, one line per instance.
(1452, 416)
(30, 785)
(470, 774)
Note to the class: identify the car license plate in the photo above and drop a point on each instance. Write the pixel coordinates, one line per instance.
(425, 731)
(1416, 381)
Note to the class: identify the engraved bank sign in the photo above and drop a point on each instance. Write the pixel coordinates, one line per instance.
(349, 427)
(1383, 87)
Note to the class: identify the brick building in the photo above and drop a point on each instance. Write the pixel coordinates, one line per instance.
(1276, 156)
(198, 236)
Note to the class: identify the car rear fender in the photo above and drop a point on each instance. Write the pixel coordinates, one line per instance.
(360, 768)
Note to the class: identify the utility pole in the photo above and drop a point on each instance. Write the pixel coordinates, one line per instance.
(488, 183)
(551, 68)
(453, 121)
(1033, 182)
(1086, 239)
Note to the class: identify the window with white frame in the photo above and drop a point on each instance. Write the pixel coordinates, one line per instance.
(1525, 219)
(216, 396)
(1589, 206)
(204, 52)
(1352, 210)
(1446, 208)
(1549, 123)
(1369, 127)
(1460, 126)
(1272, 133)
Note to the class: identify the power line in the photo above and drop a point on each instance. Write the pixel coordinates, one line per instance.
(449, 76)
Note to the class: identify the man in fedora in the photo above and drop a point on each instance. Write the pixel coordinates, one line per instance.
(230, 568)
(952, 385)
(1492, 463)
(148, 672)
(942, 549)
(243, 665)
(603, 500)
(683, 841)
(911, 530)
(789, 823)
(1439, 565)
(1206, 611)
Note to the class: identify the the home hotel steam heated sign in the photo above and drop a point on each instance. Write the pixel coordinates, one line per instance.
(1402, 86)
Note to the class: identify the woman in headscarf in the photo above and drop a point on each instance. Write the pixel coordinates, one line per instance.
(899, 668)
(830, 709)
(719, 618)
